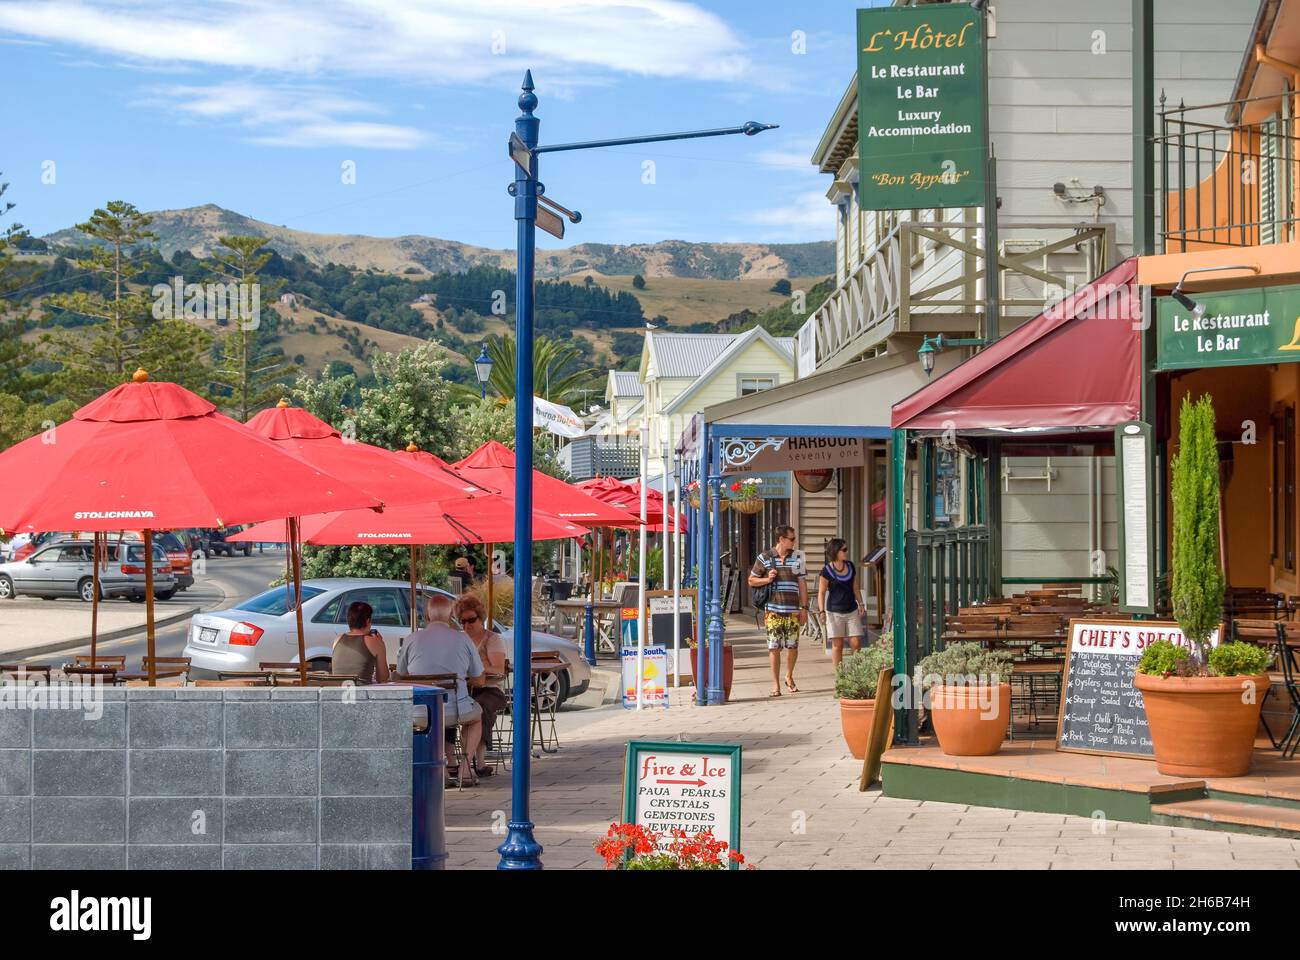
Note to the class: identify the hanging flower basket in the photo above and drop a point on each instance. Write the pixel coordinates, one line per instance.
(744, 496)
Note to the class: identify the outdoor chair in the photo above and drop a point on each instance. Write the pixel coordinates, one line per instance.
(451, 723)
(84, 660)
(1274, 635)
(547, 739)
(165, 668)
(90, 674)
(1288, 655)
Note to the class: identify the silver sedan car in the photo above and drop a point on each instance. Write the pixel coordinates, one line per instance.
(263, 628)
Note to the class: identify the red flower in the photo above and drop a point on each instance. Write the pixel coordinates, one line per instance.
(735, 487)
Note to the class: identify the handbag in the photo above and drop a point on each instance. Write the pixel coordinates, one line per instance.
(760, 596)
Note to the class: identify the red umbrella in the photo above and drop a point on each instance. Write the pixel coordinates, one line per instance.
(154, 456)
(422, 524)
(627, 497)
(481, 521)
(374, 469)
(493, 465)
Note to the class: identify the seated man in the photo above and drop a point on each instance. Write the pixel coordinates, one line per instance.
(441, 648)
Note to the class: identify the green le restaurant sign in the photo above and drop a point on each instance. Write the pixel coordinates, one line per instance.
(921, 107)
(1238, 328)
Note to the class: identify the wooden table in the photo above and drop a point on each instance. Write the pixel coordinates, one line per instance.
(605, 613)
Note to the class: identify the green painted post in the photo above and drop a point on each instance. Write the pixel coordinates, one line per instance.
(897, 532)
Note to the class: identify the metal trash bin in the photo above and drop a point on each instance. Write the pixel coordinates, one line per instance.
(428, 779)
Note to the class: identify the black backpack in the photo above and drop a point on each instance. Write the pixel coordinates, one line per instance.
(760, 596)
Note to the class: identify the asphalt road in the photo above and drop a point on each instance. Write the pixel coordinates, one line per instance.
(227, 580)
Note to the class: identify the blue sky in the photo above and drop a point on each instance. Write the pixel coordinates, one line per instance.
(256, 105)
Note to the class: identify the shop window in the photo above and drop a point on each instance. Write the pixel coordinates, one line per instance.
(1284, 490)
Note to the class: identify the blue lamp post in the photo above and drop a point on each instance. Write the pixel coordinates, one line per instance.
(521, 851)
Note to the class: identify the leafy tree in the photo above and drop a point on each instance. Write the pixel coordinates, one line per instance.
(17, 377)
(782, 287)
(410, 402)
(331, 396)
(1197, 579)
(638, 281)
(20, 419)
(251, 369)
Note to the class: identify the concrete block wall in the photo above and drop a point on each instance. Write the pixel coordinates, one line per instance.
(208, 778)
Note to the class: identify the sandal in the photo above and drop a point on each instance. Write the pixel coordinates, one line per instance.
(774, 693)
(484, 771)
(790, 685)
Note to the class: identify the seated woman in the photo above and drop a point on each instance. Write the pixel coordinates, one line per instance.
(360, 652)
(492, 651)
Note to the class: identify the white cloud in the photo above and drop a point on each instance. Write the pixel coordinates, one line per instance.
(807, 216)
(795, 155)
(432, 41)
(288, 115)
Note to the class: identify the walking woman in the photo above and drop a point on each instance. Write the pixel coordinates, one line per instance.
(837, 599)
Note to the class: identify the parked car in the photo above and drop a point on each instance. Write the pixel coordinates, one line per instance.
(263, 628)
(214, 542)
(173, 544)
(64, 568)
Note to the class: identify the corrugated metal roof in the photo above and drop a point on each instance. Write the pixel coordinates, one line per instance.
(686, 354)
(626, 383)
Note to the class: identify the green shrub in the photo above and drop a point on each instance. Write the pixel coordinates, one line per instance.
(964, 665)
(1239, 659)
(1165, 659)
(859, 673)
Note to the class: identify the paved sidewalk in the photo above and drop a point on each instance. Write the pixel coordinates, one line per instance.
(29, 626)
(801, 805)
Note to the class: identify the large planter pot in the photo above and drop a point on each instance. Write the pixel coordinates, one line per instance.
(728, 665)
(970, 721)
(855, 720)
(752, 505)
(1202, 726)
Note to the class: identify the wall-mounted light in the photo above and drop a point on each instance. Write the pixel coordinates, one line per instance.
(1074, 193)
(933, 346)
(1197, 310)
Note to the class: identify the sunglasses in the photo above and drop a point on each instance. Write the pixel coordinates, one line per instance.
(473, 619)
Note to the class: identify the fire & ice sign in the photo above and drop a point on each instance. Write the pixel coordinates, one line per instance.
(688, 786)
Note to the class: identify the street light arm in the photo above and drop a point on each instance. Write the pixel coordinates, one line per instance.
(749, 129)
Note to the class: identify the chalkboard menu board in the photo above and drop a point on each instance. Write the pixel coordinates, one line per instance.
(1101, 710)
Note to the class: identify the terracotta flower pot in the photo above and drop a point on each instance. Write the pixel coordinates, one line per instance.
(970, 721)
(855, 721)
(1202, 726)
(728, 666)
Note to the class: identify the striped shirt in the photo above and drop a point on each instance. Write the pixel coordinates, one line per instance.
(785, 589)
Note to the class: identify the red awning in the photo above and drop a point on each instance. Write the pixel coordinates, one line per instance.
(1075, 365)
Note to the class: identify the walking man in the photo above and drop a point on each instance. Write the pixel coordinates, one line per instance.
(777, 572)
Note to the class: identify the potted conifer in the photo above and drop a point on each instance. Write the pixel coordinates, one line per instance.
(1202, 704)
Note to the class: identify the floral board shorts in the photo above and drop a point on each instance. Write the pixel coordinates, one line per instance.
(783, 631)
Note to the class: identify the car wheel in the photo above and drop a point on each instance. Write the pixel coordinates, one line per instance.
(320, 664)
(136, 598)
(166, 594)
(553, 688)
(248, 550)
(6, 589)
(86, 590)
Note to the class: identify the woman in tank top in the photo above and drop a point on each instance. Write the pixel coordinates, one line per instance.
(360, 652)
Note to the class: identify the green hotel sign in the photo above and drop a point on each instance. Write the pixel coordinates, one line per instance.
(1238, 328)
(921, 107)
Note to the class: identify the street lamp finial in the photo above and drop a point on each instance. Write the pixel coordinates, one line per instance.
(528, 99)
